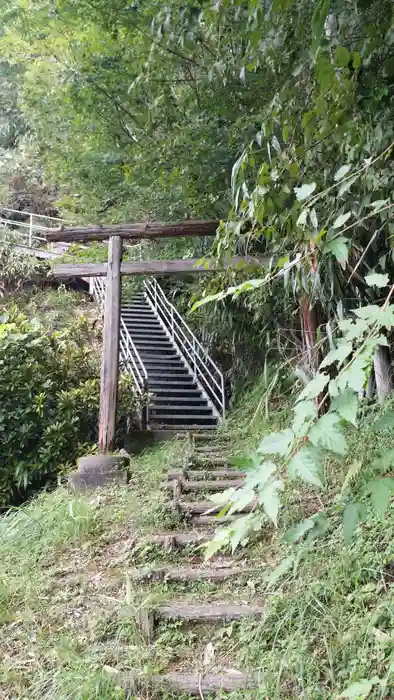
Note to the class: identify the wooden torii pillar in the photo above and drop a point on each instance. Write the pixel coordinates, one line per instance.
(113, 270)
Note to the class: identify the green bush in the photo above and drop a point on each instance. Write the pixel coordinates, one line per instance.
(49, 400)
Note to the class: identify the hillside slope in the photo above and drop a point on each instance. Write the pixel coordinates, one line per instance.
(68, 597)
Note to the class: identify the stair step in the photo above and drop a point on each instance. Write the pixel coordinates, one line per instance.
(196, 474)
(164, 365)
(163, 401)
(183, 418)
(222, 572)
(175, 411)
(213, 520)
(214, 461)
(205, 507)
(186, 426)
(160, 343)
(207, 612)
(166, 357)
(172, 540)
(204, 485)
(168, 372)
(185, 684)
(180, 393)
(196, 685)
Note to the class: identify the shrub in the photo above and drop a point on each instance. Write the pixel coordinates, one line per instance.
(49, 400)
(17, 271)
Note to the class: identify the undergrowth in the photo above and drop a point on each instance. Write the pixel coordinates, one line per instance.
(66, 601)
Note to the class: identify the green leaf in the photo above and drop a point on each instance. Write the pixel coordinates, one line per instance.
(377, 280)
(379, 490)
(315, 387)
(281, 570)
(327, 432)
(318, 20)
(295, 533)
(220, 540)
(384, 461)
(339, 248)
(276, 443)
(307, 465)
(305, 413)
(355, 376)
(384, 422)
(341, 219)
(342, 56)
(343, 170)
(339, 354)
(269, 499)
(360, 690)
(351, 474)
(305, 191)
(346, 185)
(349, 521)
(346, 405)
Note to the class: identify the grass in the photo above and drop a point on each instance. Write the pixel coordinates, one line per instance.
(66, 623)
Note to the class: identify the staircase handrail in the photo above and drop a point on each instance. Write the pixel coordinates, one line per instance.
(204, 369)
(129, 355)
(31, 224)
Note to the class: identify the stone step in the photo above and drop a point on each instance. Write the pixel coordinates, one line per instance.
(213, 520)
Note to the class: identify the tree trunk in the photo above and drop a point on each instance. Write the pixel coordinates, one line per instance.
(382, 365)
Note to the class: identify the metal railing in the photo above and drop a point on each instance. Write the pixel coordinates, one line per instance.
(28, 230)
(205, 372)
(130, 360)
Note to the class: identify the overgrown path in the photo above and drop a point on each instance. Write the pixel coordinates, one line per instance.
(206, 470)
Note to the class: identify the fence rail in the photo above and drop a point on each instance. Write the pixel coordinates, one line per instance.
(27, 230)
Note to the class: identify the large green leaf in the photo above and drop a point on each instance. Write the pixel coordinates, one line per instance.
(361, 689)
(276, 443)
(379, 491)
(338, 354)
(350, 520)
(384, 422)
(305, 413)
(377, 280)
(338, 246)
(305, 191)
(269, 498)
(328, 433)
(341, 220)
(307, 465)
(315, 387)
(295, 533)
(384, 461)
(346, 405)
(354, 377)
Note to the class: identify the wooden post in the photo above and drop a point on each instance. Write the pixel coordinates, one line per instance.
(110, 357)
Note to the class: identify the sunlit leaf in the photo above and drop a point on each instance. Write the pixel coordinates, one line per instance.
(276, 443)
(269, 498)
(339, 248)
(304, 414)
(346, 405)
(343, 170)
(305, 191)
(379, 491)
(328, 433)
(284, 566)
(377, 280)
(339, 354)
(360, 690)
(384, 422)
(315, 387)
(341, 220)
(349, 521)
(307, 465)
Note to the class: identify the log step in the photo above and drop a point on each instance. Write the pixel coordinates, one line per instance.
(191, 573)
(207, 612)
(201, 507)
(194, 684)
(209, 520)
(205, 474)
(205, 460)
(172, 540)
(218, 485)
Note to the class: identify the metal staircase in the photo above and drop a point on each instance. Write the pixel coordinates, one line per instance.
(166, 360)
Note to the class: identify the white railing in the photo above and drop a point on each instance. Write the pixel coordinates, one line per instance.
(29, 231)
(130, 359)
(205, 372)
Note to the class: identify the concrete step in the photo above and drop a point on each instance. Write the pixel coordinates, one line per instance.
(203, 485)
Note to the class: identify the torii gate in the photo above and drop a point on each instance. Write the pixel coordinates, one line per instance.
(113, 270)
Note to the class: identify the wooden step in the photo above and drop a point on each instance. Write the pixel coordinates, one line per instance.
(205, 460)
(209, 520)
(207, 612)
(195, 474)
(190, 684)
(185, 574)
(194, 684)
(201, 507)
(174, 540)
(215, 485)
